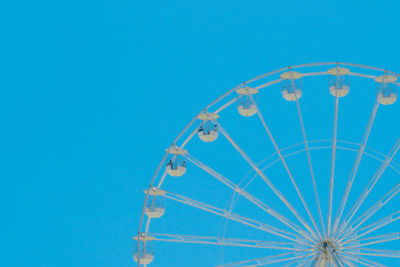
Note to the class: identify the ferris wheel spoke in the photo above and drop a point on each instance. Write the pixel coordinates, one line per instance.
(264, 260)
(282, 260)
(309, 165)
(374, 240)
(348, 262)
(333, 160)
(225, 241)
(212, 172)
(376, 252)
(355, 167)
(310, 259)
(249, 197)
(278, 151)
(372, 183)
(307, 261)
(371, 211)
(300, 261)
(266, 180)
(234, 217)
(361, 260)
(373, 227)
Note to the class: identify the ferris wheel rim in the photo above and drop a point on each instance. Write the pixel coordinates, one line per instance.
(229, 92)
(311, 74)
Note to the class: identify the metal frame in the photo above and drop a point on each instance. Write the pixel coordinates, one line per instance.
(351, 253)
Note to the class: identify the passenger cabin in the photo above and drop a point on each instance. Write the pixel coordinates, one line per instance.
(154, 206)
(386, 89)
(144, 252)
(176, 164)
(338, 80)
(208, 129)
(291, 84)
(247, 101)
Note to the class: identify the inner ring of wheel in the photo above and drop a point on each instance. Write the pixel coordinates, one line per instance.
(269, 162)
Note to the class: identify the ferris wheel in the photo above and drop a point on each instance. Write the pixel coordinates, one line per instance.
(296, 167)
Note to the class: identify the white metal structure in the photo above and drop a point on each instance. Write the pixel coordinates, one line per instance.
(176, 165)
(246, 102)
(144, 254)
(208, 130)
(325, 220)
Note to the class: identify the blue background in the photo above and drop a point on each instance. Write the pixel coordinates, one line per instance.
(93, 91)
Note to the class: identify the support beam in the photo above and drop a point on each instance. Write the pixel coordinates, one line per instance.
(278, 151)
(355, 167)
(371, 211)
(311, 169)
(249, 197)
(265, 260)
(234, 217)
(333, 160)
(373, 240)
(289, 246)
(371, 184)
(372, 227)
(377, 253)
(267, 181)
(361, 260)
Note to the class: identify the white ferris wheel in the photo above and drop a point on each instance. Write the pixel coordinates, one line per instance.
(296, 167)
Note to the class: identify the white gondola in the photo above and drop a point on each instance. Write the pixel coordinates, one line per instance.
(247, 101)
(176, 165)
(175, 170)
(338, 81)
(145, 254)
(386, 91)
(291, 85)
(208, 136)
(154, 206)
(154, 212)
(247, 110)
(144, 259)
(208, 130)
(387, 99)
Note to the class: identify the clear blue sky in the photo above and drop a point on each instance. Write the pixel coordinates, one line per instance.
(94, 91)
